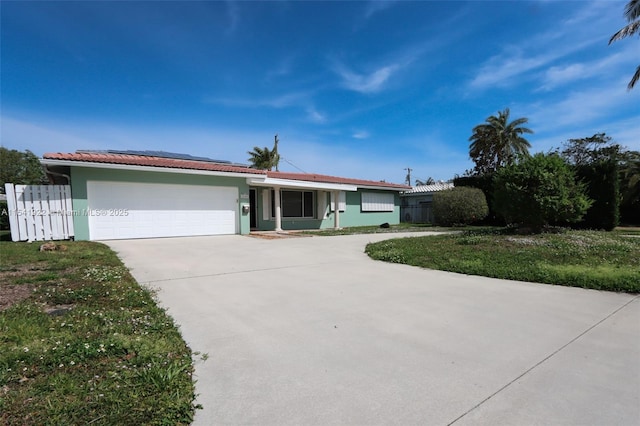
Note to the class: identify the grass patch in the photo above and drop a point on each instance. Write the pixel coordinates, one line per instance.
(588, 259)
(376, 229)
(82, 343)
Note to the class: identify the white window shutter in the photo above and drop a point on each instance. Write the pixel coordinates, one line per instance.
(342, 201)
(322, 204)
(377, 202)
(266, 205)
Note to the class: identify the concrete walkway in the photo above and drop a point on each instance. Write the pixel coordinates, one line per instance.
(310, 331)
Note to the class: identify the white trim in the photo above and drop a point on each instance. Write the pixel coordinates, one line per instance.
(382, 188)
(300, 184)
(51, 162)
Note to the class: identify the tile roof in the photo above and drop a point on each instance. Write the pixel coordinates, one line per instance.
(422, 189)
(150, 161)
(312, 177)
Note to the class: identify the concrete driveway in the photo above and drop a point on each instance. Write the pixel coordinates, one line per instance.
(310, 331)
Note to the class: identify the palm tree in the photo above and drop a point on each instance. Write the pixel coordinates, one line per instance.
(632, 13)
(498, 142)
(265, 158)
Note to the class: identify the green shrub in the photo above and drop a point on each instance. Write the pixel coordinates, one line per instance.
(539, 191)
(459, 206)
(4, 216)
(485, 183)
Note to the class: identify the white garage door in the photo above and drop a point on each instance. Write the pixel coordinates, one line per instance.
(120, 210)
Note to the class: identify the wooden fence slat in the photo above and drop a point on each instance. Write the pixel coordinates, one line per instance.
(12, 211)
(39, 212)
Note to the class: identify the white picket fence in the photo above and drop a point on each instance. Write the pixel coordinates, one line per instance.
(39, 212)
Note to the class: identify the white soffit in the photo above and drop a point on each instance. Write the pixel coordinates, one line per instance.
(301, 184)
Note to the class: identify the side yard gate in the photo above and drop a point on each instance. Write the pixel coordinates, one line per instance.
(39, 212)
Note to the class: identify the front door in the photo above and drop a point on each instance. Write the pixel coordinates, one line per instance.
(253, 209)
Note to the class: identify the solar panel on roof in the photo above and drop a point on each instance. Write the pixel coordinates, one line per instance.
(161, 154)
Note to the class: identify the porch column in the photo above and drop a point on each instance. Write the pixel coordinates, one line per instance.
(278, 210)
(336, 209)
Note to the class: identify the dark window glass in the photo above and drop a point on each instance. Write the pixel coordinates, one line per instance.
(308, 204)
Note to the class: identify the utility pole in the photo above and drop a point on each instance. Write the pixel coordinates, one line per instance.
(408, 179)
(275, 151)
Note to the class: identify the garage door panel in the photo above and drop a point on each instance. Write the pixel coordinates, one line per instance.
(160, 210)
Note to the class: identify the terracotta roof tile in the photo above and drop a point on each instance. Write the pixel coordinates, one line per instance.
(312, 177)
(143, 160)
(151, 161)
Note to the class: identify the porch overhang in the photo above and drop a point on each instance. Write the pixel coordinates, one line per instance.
(300, 184)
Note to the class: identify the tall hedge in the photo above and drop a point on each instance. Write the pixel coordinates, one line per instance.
(602, 181)
(459, 206)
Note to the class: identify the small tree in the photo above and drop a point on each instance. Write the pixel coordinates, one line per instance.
(459, 206)
(539, 191)
(20, 168)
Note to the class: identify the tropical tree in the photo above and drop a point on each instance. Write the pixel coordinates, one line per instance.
(498, 142)
(265, 158)
(632, 13)
(539, 191)
(20, 168)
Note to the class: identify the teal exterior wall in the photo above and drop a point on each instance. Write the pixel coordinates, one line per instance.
(80, 176)
(352, 216)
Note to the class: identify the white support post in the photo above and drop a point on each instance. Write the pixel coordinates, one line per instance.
(336, 209)
(278, 209)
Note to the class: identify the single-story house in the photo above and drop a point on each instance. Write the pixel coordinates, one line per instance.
(123, 194)
(416, 204)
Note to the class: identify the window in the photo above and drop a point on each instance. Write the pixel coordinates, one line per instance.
(377, 202)
(342, 201)
(295, 204)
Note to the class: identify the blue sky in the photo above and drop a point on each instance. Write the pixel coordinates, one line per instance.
(356, 89)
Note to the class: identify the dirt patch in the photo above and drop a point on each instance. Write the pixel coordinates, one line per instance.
(12, 294)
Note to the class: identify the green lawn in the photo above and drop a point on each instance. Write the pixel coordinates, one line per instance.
(402, 227)
(589, 259)
(83, 343)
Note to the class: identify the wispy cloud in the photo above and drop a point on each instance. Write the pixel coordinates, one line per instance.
(280, 101)
(365, 82)
(315, 116)
(590, 110)
(374, 6)
(233, 13)
(560, 75)
(281, 69)
(361, 134)
(522, 60)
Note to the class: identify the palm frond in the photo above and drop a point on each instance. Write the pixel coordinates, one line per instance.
(634, 79)
(625, 32)
(632, 10)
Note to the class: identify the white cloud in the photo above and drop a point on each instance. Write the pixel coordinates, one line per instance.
(560, 75)
(361, 134)
(366, 83)
(315, 116)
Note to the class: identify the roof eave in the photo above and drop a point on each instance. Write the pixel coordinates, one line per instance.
(116, 166)
(300, 184)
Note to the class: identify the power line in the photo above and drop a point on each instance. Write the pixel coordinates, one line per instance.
(290, 163)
